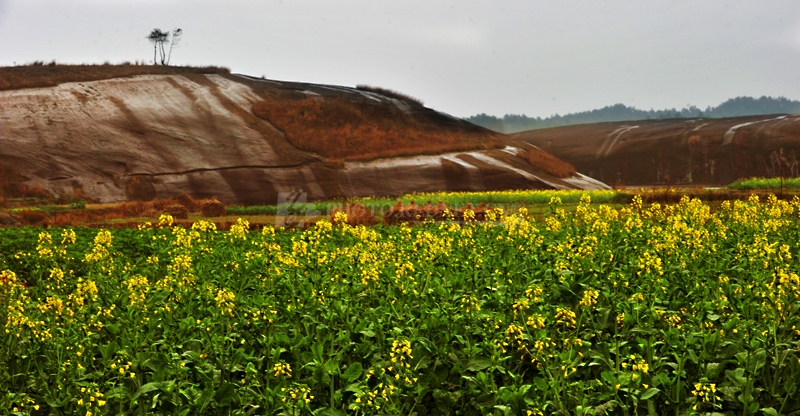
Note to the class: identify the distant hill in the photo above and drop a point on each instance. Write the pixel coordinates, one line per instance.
(734, 107)
(677, 152)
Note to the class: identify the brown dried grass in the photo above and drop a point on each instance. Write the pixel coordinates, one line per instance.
(547, 163)
(32, 217)
(190, 204)
(390, 93)
(133, 208)
(177, 211)
(213, 208)
(342, 129)
(357, 214)
(413, 213)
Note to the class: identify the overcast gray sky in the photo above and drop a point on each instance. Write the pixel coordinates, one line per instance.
(462, 57)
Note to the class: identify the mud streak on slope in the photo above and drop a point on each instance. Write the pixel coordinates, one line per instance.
(273, 138)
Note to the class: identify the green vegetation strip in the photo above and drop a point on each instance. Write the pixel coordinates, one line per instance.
(765, 183)
(528, 197)
(639, 310)
(454, 200)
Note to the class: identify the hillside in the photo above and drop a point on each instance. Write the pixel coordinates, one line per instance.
(677, 151)
(734, 107)
(247, 140)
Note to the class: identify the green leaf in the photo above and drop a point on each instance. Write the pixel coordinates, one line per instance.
(108, 351)
(713, 370)
(225, 394)
(187, 324)
(757, 360)
(353, 372)
(353, 388)
(160, 296)
(608, 377)
(147, 388)
(155, 362)
(206, 398)
(330, 367)
(540, 383)
(505, 409)
(737, 376)
(331, 412)
(729, 392)
(769, 411)
(317, 350)
(652, 391)
(478, 364)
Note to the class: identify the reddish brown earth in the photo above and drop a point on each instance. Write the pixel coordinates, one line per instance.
(677, 151)
(163, 135)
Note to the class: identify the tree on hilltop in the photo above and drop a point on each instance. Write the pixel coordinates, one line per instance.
(159, 39)
(176, 37)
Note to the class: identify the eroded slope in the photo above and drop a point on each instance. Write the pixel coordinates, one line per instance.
(163, 135)
(677, 151)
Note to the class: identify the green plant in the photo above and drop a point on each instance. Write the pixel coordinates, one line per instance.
(660, 309)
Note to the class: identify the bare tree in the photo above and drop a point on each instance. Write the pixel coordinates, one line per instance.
(176, 38)
(158, 38)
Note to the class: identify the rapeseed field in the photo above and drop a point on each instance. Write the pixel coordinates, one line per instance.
(652, 310)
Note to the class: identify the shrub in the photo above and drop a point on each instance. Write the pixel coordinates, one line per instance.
(357, 214)
(32, 217)
(213, 208)
(390, 93)
(186, 201)
(177, 211)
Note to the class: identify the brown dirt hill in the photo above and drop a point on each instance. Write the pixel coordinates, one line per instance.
(248, 141)
(677, 151)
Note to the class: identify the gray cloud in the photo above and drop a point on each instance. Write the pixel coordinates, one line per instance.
(462, 57)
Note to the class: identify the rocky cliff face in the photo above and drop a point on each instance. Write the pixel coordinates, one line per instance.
(164, 135)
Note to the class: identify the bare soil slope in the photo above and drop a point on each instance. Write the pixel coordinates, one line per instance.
(246, 140)
(677, 151)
